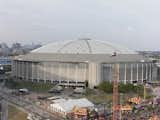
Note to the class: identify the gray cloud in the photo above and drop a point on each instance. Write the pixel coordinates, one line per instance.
(132, 23)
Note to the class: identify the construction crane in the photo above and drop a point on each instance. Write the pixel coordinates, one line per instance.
(115, 106)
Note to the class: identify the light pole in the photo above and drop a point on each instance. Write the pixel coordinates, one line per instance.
(120, 101)
(144, 91)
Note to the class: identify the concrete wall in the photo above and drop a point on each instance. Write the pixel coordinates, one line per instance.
(94, 74)
(50, 71)
(66, 72)
(129, 72)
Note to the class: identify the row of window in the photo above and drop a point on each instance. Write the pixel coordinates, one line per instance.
(39, 70)
(128, 72)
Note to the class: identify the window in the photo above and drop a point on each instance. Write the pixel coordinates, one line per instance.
(121, 72)
(134, 73)
(107, 74)
(128, 72)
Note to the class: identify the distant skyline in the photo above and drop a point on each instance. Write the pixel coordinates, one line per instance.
(131, 23)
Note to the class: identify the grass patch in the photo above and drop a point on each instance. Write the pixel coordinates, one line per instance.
(104, 93)
(107, 87)
(36, 87)
(16, 114)
(98, 96)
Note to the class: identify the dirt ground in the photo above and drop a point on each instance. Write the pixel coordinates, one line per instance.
(15, 113)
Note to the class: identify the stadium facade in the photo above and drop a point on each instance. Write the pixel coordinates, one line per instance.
(77, 61)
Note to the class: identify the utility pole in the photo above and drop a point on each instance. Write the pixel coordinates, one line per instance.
(144, 92)
(115, 93)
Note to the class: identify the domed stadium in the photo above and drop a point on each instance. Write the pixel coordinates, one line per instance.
(72, 63)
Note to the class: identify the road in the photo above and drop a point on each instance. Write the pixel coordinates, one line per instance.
(27, 105)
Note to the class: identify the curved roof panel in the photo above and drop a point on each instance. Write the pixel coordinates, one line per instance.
(83, 46)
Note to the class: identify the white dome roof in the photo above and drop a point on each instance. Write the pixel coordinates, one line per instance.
(83, 46)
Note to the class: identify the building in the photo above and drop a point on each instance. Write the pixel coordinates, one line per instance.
(5, 64)
(63, 107)
(74, 62)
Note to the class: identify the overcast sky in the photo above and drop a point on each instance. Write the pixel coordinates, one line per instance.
(131, 23)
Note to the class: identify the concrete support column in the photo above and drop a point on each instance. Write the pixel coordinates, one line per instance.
(25, 70)
(142, 73)
(75, 74)
(14, 72)
(34, 71)
(44, 66)
(147, 72)
(131, 73)
(15, 68)
(87, 71)
(18, 68)
(98, 80)
(67, 71)
(53, 66)
(22, 69)
(26, 67)
(28, 70)
(125, 74)
(110, 71)
(51, 72)
(38, 77)
(94, 76)
(59, 72)
(23, 65)
(137, 72)
(150, 75)
(32, 66)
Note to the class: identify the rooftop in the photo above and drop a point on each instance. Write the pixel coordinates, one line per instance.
(99, 58)
(83, 46)
(69, 104)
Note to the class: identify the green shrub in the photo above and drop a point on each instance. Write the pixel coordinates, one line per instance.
(122, 88)
(106, 87)
(126, 88)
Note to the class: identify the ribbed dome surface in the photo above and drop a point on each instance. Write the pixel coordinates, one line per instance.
(83, 46)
